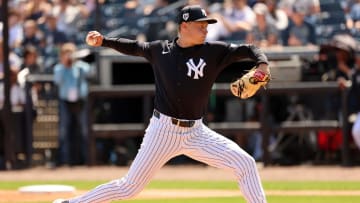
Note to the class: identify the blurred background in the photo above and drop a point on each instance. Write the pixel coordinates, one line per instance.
(306, 115)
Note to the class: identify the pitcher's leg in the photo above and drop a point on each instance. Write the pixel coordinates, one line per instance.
(216, 150)
(356, 131)
(156, 149)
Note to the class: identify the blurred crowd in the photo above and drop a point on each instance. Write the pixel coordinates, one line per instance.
(38, 29)
(41, 26)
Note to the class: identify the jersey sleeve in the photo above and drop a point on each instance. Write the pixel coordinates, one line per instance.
(234, 53)
(129, 47)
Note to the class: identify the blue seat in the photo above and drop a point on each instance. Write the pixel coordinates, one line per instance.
(330, 5)
(112, 10)
(109, 2)
(332, 18)
(113, 23)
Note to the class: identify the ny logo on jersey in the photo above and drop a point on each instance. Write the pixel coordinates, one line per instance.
(198, 69)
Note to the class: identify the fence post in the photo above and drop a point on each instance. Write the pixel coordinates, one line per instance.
(265, 129)
(345, 128)
(29, 118)
(91, 139)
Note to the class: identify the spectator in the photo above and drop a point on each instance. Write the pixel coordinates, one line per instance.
(20, 7)
(14, 61)
(354, 17)
(68, 17)
(203, 3)
(15, 29)
(348, 63)
(160, 27)
(132, 12)
(299, 32)
(310, 6)
(70, 77)
(315, 10)
(334, 63)
(52, 34)
(90, 5)
(276, 16)
(17, 101)
(235, 20)
(17, 96)
(30, 65)
(33, 36)
(344, 48)
(54, 38)
(263, 33)
(30, 60)
(37, 10)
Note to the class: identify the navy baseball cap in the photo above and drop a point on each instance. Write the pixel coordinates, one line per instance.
(194, 13)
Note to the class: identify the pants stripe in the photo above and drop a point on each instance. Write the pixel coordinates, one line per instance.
(163, 141)
(356, 131)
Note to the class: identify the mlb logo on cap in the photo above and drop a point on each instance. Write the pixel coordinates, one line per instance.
(194, 13)
(186, 16)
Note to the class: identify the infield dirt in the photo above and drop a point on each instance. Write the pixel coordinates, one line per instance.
(321, 173)
(193, 172)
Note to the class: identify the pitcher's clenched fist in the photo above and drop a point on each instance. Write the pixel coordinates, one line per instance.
(94, 38)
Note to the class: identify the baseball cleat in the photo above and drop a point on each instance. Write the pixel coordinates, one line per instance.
(60, 201)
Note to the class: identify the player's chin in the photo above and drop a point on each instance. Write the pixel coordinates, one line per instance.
(202, 39)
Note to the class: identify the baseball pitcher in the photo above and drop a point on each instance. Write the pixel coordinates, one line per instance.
(185, 70)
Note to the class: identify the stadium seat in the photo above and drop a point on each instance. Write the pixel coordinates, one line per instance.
(113, 10)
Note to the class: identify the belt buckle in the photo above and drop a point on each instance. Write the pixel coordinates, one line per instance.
(175, 121)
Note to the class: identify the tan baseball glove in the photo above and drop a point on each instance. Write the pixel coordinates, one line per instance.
(249, 84)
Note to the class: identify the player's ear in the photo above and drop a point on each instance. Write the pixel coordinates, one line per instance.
(181, 26)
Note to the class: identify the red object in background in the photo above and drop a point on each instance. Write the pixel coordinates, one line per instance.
(329, 140)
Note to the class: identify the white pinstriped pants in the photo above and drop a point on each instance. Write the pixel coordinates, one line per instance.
(163, 141)
(356, 130)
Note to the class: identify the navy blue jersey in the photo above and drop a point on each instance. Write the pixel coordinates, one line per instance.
(184, 76)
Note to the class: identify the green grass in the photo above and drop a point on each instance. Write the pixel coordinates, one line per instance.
(312, 185)
(271, 199)
(226, 185)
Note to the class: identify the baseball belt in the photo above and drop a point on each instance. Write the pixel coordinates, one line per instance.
(177, 122)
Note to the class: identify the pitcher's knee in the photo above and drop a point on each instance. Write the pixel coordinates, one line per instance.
(126, 189)
(249, 160)
(245, 164)
(251, 163)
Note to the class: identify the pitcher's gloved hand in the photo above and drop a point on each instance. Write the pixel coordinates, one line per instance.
(249, 84)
